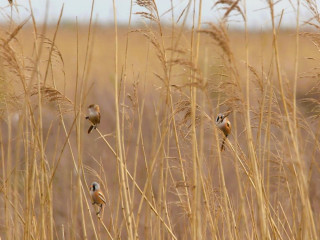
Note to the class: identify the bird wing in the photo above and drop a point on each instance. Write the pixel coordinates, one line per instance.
(102, 197)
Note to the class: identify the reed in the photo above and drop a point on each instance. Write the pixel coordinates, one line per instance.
(157, 151)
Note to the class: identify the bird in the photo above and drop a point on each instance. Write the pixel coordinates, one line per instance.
(93, 116)
(224, 125)
(97, 196)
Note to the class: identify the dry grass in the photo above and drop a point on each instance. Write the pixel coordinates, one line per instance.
(156, 153)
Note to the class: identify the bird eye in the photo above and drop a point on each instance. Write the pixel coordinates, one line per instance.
(217, 120)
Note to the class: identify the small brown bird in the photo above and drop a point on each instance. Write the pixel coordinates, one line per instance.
(224, 125)
(93, 116)
(97, 196)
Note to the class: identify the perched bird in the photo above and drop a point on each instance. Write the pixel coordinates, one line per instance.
(93, 116)
(224, 125)
(97, 196)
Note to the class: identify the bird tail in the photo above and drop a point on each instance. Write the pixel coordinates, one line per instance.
(223, 142)
(90, 129)
(101, 208)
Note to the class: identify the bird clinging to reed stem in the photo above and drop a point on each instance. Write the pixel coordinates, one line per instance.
(93, 116)
(224, 125)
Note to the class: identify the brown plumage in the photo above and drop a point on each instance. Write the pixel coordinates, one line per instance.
(224, 125)
(93, 116)
(97, 196)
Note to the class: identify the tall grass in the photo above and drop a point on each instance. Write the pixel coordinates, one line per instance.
(156, 153)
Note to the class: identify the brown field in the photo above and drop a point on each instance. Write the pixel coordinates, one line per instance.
(156, 152)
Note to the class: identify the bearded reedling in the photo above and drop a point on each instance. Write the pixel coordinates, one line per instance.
(93, 116)
(224, 125)
(97, 196)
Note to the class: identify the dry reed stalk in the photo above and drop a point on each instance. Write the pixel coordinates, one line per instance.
(174, 48)
(258, 181)
(159, 46)
(52, 45)
(39, 133)
(308, 230)
(197, 162)
(123, 182)
(123, 83)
